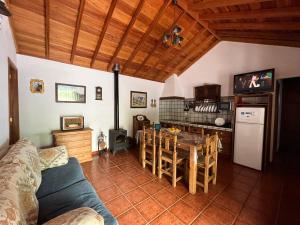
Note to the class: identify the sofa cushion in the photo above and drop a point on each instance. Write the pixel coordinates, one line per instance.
(58, 178)
(18, 203)
(80, 216)
(53, 157)
(25, 154)
(80, 194)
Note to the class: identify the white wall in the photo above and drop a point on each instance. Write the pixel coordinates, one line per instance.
(39, 113)
(229, 58)
(7, 50)
(226, 59)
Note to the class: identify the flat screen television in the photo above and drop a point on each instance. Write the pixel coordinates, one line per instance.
(254, 82)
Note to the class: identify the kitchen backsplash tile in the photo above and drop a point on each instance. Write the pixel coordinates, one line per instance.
(173, 109)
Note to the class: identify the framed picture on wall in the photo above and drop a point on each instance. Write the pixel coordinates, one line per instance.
(138, 99)
(98, 93)
(69, 93)
(37, 86)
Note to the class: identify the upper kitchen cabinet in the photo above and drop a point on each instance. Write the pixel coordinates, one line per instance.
(210, 92)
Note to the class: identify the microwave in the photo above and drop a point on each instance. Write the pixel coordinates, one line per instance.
(224, 106)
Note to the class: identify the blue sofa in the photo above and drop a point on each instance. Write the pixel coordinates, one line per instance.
(65, 188)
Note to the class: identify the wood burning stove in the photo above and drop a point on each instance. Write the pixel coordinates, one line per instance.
(117, 136)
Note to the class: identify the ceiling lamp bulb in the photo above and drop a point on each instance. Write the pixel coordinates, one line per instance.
(166, 38)
(177, 29)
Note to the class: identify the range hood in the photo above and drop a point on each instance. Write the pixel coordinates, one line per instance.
(172, 88)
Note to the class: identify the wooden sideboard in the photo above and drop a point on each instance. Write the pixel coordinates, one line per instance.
(138, 125)
(77, 142)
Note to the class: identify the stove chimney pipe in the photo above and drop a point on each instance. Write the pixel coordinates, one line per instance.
(116, 70)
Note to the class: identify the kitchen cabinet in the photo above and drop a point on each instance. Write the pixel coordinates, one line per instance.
(226, 140)
(211, 92)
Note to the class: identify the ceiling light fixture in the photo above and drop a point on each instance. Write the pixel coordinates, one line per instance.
(3, 10)
(174, 38)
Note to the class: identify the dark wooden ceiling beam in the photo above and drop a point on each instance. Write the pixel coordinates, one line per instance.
(125, 35)
(159, 44)
(104, 28)
(284, 26)
(77, 29)
(253, 14)
(195, 16)
(147, 33)
(47, 27)
(221, 3)
(263, 41)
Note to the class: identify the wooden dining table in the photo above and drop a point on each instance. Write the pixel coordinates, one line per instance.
(194, 144)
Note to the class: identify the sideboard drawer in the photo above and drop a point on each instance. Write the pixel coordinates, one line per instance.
(78, 143)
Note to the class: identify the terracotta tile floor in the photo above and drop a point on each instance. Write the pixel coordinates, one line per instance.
(242, 196)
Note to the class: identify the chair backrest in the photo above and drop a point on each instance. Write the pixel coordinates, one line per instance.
(149, 136)
(167, 141)
(211, 145)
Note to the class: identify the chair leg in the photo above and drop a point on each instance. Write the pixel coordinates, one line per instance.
(174, 170)
(159, 164)
(206, 174)
(174, 175)
(153, 162)
(215, 173)
(144, 157)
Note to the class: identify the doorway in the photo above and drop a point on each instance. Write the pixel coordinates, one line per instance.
(290, 116)
(13, 99)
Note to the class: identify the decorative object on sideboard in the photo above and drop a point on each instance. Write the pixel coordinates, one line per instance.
(37, 86)
(71, 123)
(138, 99)
(98, 93)
(69, 93)
(153, 103)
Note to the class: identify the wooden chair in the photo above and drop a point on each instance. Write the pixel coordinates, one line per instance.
(149, 148)
(207, 163)
(168, 158)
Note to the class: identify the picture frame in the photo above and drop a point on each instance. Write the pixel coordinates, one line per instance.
(37, 86)
(70, 93)
(138, 99)
(98, 93)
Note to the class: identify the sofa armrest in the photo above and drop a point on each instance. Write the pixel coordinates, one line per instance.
(80, 216)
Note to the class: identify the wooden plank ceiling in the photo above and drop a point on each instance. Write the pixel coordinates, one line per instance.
(99, 33)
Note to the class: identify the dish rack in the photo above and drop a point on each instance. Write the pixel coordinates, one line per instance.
(206, 107)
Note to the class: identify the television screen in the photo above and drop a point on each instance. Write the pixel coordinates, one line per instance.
(254, 82)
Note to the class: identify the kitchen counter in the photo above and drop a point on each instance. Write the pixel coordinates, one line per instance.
(206, 126)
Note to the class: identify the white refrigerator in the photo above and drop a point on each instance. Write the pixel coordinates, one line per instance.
(249, 137)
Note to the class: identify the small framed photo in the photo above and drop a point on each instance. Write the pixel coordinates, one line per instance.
(98, 93)
(37, 86)
(138, 99)
(69, 93)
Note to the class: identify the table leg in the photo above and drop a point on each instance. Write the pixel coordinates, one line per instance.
(140, 148)
(193, 170)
